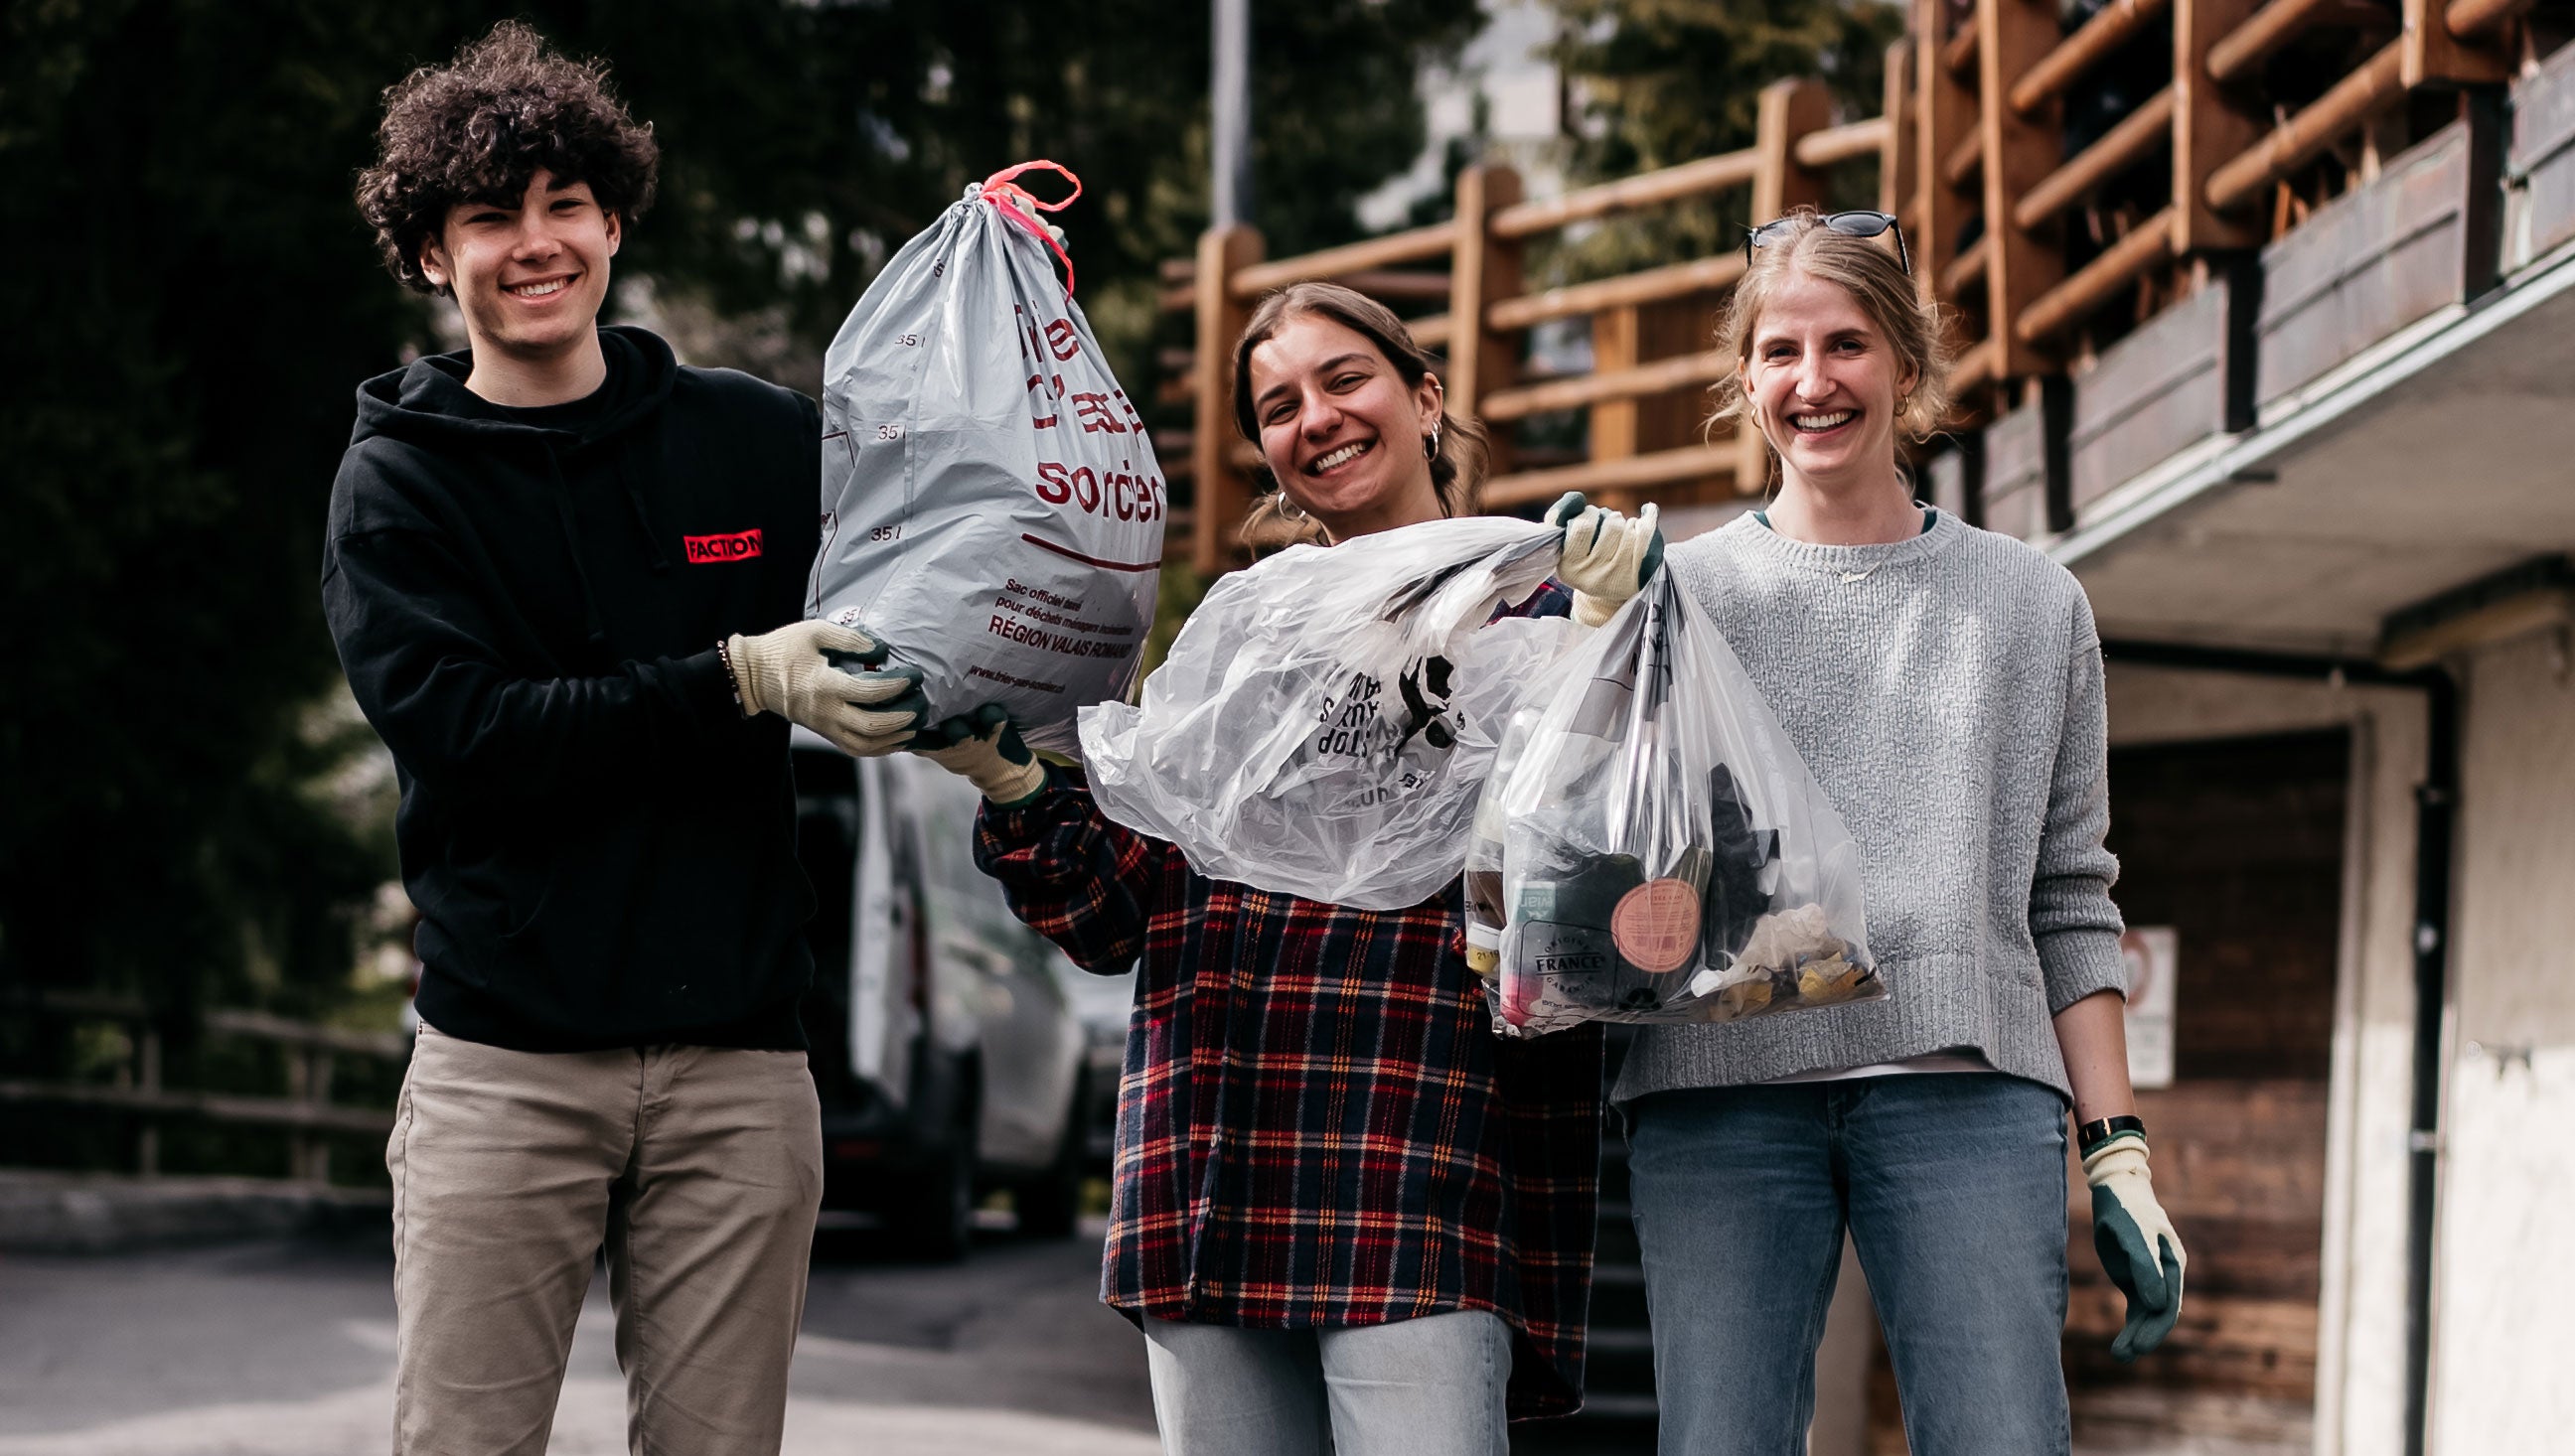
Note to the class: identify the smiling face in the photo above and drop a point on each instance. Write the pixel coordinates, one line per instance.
(1823, 381)
(530, 275)
(1341, 431)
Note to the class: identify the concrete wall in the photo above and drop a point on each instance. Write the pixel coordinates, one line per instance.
(2504, 1280)
(108, 1213)
(2360, 1353)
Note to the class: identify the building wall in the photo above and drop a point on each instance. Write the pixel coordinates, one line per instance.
(2505, 1297)
(2505, 1286)
(2360, 1357)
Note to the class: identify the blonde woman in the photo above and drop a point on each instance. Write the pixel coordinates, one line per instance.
(1945, 684)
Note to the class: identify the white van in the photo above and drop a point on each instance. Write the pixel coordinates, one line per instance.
(949, 1057)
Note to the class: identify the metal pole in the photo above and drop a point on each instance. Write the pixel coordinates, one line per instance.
(1230, 108)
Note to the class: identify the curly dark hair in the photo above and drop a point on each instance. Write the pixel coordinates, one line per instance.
(479, 128)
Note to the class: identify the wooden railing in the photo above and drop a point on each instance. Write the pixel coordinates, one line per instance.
(1992, 168)
(306, 1112)
(1649, 328)
(2011, 232)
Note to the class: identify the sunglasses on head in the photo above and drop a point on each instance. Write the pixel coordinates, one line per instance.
(1848, 224)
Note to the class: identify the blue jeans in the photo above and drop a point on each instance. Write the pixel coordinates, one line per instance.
(1952, 1185)
(1417, 1387)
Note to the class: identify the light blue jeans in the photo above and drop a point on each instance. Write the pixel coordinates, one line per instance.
(1419, 1387)
(1952, 1185)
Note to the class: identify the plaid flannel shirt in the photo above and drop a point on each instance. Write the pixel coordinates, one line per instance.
(1316, 1125)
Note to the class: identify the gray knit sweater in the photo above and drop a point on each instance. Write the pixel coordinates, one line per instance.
(1946, 694)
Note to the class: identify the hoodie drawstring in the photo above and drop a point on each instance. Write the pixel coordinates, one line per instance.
(589, 616)
(643, 511)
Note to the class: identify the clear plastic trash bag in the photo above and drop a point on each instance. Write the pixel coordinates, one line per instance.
(1654, 849)
(991, 507)
(1327, 718)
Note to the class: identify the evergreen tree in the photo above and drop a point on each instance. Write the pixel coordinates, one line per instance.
(1670, 81)
(190, 302)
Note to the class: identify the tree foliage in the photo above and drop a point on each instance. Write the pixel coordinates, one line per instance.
(1670, 81)
(189, 302)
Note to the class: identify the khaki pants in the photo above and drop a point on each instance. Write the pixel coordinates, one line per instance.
(700, 1170)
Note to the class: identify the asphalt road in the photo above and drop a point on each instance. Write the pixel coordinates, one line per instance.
(286, 1349)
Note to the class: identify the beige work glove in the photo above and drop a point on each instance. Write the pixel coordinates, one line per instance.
(986, 750)
(1607, 556)
(2139, 1248)
(796, 672)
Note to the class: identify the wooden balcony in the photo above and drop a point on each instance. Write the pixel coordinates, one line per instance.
(2164, 234)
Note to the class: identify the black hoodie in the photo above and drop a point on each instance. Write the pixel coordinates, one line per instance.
(527, 604)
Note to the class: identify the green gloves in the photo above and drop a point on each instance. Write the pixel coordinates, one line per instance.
(2139, 1248)
(794, 672)
(986, 751)
(1606, 555)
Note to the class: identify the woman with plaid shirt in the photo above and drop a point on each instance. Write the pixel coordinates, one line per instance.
(1346, 1216)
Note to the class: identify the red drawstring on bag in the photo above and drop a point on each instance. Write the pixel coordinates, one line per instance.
(1019, 203)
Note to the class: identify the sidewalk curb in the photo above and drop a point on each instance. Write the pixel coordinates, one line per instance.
(101, 1213)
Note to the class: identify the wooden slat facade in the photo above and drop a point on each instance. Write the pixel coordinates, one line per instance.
(2365, 266)
(2542, 160)
(2157, 393)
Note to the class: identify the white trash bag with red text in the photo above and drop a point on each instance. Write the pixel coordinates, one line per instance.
(1326, 718)
(1654, 849)
(991, 507)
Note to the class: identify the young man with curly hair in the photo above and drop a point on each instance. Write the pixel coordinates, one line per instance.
(565, 573)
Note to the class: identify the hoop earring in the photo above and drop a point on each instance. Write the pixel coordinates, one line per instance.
(1430, 444)
(1288, 509)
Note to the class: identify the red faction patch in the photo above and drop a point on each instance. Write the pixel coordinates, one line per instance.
(739, 546)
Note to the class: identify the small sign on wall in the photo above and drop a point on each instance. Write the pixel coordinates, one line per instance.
(2149, 953)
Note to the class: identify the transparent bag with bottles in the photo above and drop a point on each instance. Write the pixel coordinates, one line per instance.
(1653, 850)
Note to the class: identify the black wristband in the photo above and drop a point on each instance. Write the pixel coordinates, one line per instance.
(733, 683)
(2092, 1135)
